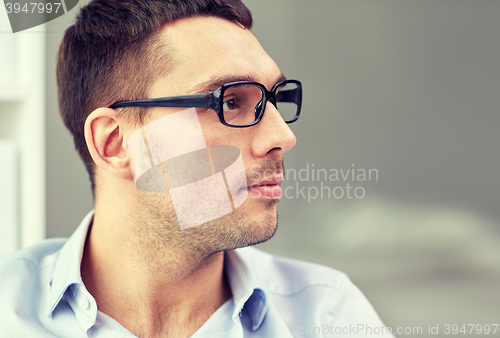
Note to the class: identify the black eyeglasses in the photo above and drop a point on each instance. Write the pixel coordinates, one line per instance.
(238, 104)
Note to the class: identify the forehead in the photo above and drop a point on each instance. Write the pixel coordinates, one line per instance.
(207, 47)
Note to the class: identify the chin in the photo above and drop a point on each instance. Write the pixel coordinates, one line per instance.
(244, 227)
(254, 222)
(261, 226)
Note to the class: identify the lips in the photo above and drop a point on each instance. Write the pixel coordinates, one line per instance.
(267, 188)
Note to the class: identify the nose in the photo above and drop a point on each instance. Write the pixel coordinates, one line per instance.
(272, 134)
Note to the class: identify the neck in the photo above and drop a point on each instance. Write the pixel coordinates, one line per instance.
(153, 288)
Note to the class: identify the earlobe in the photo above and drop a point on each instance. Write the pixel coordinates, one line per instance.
(104, 134)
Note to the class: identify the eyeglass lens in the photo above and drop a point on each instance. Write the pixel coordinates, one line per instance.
(242, 103)
(287, 96)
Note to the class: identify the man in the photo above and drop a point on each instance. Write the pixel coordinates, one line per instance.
(158, 258)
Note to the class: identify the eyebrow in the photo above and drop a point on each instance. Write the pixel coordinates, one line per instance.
(217, 81)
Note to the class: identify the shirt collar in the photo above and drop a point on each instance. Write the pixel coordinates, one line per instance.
(67, 276)
(247, 292)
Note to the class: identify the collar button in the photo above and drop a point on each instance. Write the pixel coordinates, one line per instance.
(84, 303)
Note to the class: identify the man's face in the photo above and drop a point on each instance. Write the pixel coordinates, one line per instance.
(208, 52)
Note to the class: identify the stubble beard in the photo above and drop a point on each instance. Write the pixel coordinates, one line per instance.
(233, 230)
(160, 239)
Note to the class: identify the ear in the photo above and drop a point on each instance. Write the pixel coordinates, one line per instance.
(104, 134)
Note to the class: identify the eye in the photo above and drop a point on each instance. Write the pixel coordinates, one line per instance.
(230, 104)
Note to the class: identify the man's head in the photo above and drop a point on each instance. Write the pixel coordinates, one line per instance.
(191, 54)
(113, 52)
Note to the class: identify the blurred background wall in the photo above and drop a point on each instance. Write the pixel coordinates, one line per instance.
(406, 88)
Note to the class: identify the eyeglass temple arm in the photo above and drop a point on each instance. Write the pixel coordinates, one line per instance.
(198, 101)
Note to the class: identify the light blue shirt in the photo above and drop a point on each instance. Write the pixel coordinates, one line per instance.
(42, 295)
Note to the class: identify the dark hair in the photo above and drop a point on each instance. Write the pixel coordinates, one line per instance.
(113, 53)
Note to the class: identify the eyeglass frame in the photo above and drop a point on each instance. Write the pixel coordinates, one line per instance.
(213, 100)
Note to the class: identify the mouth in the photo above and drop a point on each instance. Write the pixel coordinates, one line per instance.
(269, 188)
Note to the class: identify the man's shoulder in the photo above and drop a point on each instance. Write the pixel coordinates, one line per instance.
(29, 262)
(289, 276)
(25, 286)
(310, 296)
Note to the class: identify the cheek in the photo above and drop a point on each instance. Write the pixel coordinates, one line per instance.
(210, 125)
(238, 138)
(216, 133)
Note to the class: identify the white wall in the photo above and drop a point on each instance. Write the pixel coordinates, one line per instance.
(22, 135)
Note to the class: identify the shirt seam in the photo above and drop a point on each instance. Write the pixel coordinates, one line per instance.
(38, 266)
(334, 288)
